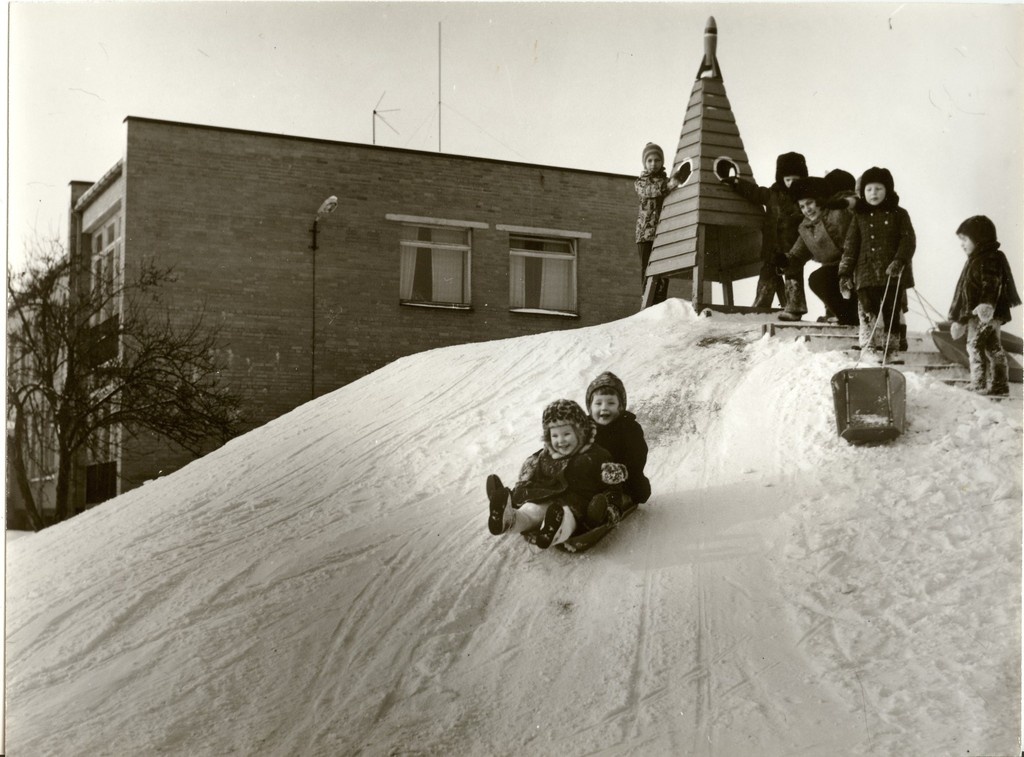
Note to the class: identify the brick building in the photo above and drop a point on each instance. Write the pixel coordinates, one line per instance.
(424, 250)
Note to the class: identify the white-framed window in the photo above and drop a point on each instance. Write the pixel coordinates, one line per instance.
(726, 168)
(542, 273)
(684, 171)
(106, 268)
(435, 266)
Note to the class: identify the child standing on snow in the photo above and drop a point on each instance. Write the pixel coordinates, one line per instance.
(651, 187)
(981, 304)
(556, 483)
(618, 432)
(876, 258)
(780, 233)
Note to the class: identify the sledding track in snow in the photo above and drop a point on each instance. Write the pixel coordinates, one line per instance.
(326, 584)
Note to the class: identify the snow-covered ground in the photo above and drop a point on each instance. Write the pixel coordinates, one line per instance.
(326, 585)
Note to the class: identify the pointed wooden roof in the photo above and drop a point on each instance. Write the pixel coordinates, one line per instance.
(710, 146)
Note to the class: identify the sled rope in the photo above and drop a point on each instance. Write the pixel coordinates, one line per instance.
(874, 327)
(925, 304)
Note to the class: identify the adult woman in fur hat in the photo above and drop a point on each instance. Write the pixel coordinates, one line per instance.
(780, 229)
(876, 259)
(821, 237)
(556, 483)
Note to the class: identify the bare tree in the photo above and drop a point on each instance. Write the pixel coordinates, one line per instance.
(85, 357)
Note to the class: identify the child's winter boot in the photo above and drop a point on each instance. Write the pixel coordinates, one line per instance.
(502, 514)
(558, 525)
(1000, 379)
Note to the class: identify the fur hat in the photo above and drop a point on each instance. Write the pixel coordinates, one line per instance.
(790, 164)
(979, 229)
(811, 188)
(607, 381)
(840, 181)
(876, 175)
(649, 148)
(562, 412)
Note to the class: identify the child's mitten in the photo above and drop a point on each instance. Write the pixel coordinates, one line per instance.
(984, 311)
(957, 329)
(613, 473)
(846, 287)
(894, 268)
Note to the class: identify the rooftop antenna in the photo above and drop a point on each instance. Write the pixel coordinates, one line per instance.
(377, 114)
(439, 86)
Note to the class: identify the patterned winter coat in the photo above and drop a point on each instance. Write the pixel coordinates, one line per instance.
(986, 278)
(651, 188)
(821, 240)
(782, 221)
(571, 481)
(624, 439)
(877, 236)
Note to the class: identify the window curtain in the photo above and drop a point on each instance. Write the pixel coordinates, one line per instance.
(407, 272)
(556, 286)
(446, 268)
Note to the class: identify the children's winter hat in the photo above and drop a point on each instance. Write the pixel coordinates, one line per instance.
(840, 181)
(979, 229)
(649, 148)
(608, 381)
(811, 188)
(561, 412)
(790, 164)
(876, 175)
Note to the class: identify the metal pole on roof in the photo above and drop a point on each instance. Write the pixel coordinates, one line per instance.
(439, 86)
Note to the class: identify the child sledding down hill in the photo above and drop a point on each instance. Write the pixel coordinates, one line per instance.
(556, 483)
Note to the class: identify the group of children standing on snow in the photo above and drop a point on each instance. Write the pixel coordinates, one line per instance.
(865, 242)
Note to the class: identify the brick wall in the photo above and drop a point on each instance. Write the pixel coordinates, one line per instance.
(232, 211)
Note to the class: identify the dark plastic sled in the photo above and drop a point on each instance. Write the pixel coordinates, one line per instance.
(871, 404)
(584, 541)
(955, 350)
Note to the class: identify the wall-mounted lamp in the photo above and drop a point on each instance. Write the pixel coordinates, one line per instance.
(326, 207)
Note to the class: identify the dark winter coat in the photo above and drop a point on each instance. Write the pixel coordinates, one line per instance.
(570, 481)
(877, 236)
(651, 188)
(986, 279)
(624, 439)
(782, 219)
(821, 240)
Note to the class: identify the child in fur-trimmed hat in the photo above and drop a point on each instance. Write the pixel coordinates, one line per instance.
(619, 432)
(876, 261)
(556, 483)
(651, 187)
(984, 295)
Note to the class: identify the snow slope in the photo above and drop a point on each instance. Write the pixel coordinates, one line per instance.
(326, 584)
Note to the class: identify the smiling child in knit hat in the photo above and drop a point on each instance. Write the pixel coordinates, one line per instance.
(556, 483)
(618, 432)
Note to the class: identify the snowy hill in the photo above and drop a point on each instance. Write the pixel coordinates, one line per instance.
(326, 585)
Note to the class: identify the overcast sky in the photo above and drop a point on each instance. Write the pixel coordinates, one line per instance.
(933, 92)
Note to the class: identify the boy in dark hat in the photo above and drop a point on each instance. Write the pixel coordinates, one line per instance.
(780, 233)
(876, 261)
(618, 432)
(821, 237)
(651, 187)
(981, 304)
(556, 483)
